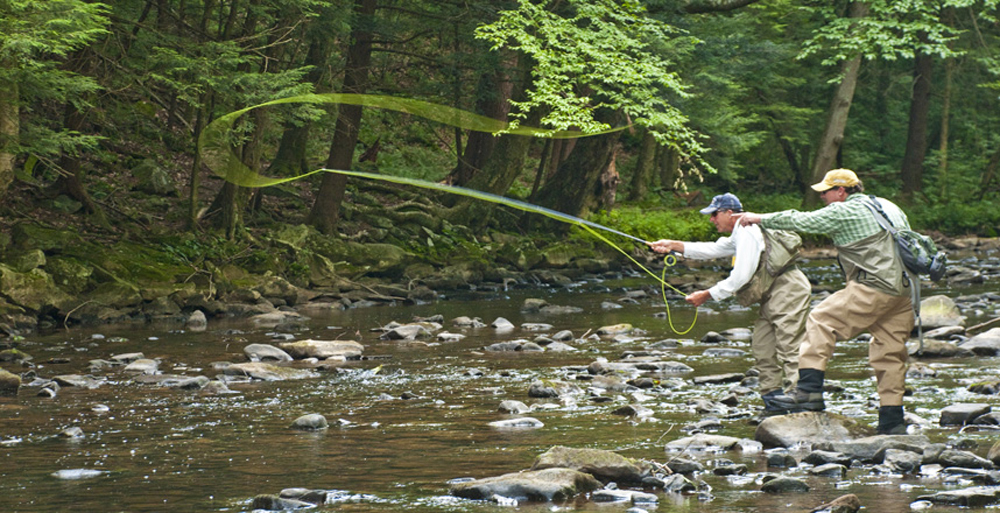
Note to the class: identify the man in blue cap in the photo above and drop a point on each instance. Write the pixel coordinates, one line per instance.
(764, 272)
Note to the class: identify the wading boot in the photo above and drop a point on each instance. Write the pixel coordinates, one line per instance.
(771, 409)
(890, 421)
(806, 396)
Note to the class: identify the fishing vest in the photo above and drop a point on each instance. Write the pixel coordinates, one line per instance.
(873, 261)
(781, 249)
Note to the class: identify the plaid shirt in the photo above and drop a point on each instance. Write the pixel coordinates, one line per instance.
(844, 221)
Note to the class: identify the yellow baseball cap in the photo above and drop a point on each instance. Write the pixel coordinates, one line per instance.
(837, 178)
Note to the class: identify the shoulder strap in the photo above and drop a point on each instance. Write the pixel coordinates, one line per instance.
(876, 208)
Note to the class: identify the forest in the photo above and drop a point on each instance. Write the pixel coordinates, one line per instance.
(102, 106)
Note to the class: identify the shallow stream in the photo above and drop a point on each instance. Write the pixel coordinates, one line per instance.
(412, 416)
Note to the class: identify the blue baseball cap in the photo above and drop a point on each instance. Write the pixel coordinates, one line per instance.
(727, 201)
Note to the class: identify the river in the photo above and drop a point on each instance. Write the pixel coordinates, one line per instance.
(413, 415)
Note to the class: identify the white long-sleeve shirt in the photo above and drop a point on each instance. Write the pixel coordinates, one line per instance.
(746, 243)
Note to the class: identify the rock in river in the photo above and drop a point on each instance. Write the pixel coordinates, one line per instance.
(323, 349)
(602, 464)
(809, 427)
(268, 372)
(553, 484)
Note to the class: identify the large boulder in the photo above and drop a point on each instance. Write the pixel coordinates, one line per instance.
(323, 349)
(34, 290)
(984, 344)
(604, 465)
(267, 372)
(553, 484)
(808, 427)
(9, 383)
(938, 311)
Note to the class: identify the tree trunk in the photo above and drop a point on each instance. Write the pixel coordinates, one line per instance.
(290, 159)
(912, 172)
(571, 189)
(206, 105)
(326, 210)
(949, 68)
(668, 163)
(71, 180)
(644, 163)
(493, 93)
(989, 175)
(836, 121)
(10, 129)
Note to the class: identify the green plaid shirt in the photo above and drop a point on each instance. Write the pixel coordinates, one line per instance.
(844, 221)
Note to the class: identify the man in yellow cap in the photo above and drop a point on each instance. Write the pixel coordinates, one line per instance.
(876, 297)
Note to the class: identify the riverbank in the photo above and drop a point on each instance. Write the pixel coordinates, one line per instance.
(55, 278)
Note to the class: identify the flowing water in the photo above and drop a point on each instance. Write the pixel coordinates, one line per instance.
(412, 416)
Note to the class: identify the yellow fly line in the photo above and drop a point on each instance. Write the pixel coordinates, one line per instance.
(218, 155)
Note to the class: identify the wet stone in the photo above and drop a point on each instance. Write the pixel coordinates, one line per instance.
(713, 337)
(984, 344)
(275, 503)
(266, 352)
(515, 407)
(785, 485)
(9, 383)
(143, 366)
(468, 322)
(730, 470)
(553, 484)
(724, 352)
(630, 496)
(975, 497)
(988, 388)
(310, 422)
(604, 465)
(781, 459)
(684, 466)
(962, 413)
(833, 470)
(732, 377)
(953, 458)
(849, 503)
(824, 457)
(518, 423)
(71, 432)
(933, 348)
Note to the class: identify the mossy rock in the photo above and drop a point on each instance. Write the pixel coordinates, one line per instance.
(25, 261)
(27, 236)
(375, 259)
(602, 464)
(69, 273)
(295, 237)
(34, 290)
(116, 294)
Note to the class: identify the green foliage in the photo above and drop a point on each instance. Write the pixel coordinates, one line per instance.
(591, 55)
(892, 30)
(958, 216)
(36, 40)
(655, 224)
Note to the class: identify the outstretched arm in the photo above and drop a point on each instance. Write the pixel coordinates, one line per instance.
(748, 218)
(667, 245)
